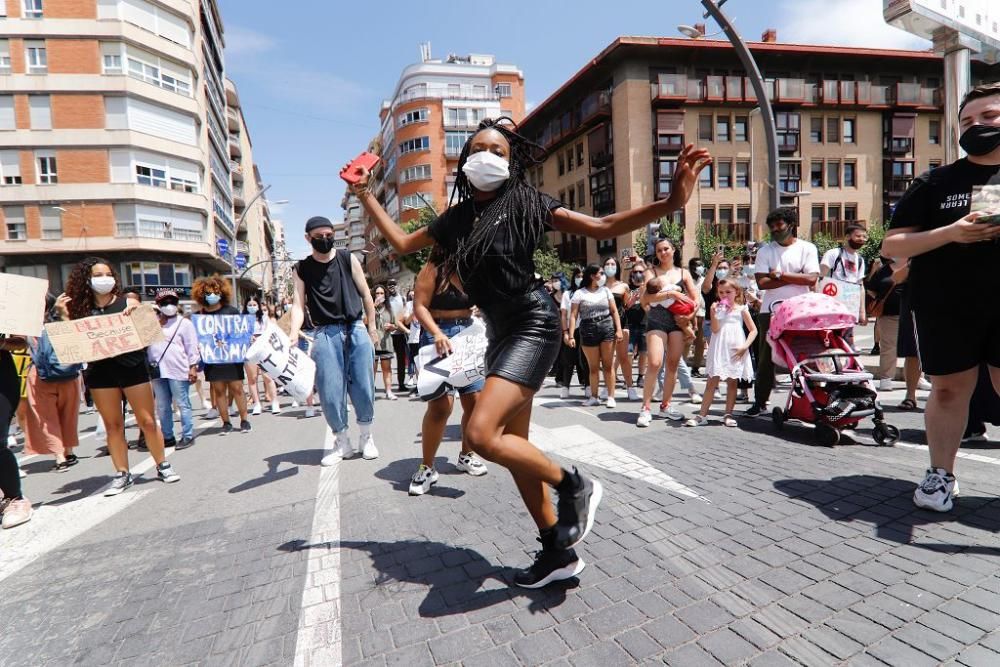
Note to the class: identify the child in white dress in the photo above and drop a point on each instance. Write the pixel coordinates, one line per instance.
(727, 357)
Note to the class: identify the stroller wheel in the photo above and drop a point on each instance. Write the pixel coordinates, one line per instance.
(885, 434)
(827, 435)
(778, 417)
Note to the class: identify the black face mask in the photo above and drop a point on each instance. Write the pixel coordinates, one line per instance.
(980, 139)
(322, 244)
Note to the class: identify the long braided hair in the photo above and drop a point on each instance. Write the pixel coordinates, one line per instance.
(518, 205)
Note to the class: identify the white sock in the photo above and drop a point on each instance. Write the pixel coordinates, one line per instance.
(366, 429)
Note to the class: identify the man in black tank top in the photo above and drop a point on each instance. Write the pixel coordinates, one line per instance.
(332, 285)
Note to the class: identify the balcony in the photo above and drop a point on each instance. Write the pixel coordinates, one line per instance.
(788, 142)
(239, 200)
(440, 94)
(233, 120)
(236, 170)
(671, 87)
(595, 105)
(788, 91)
(234, 147)
(900, 145)
(592, 108)
(730, 231)
(452, 153)
(898, 185)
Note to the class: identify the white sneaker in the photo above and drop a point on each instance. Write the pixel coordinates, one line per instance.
(341, 450)
(295, 404)
(368, 449)
(206, 404)
(11, 441)
(275, 408)
(389, 395)
(611, 403)
(936, 491)
(310, 412)
(257, 410)
(212, 414)
(471, 464)
(697, 420)
(602, 393)
(645, 418)
(885, 384)
(924, 384)
(564, 393)
(671, 413)
(422, 480)
(633, 395)
(694, 396)
(592, 401)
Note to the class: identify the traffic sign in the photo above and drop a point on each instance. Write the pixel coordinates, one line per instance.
(222, 245)
(241, 261)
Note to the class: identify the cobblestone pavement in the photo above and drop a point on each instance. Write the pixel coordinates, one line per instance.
(713, 546)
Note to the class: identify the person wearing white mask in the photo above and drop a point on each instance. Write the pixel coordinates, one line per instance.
(92, 289)
(600, 330)
(620, 291)
(260, 320)
(175, 359)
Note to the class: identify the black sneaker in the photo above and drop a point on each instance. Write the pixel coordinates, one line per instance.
(576, 512)
(227, 428)
(753, 411)
(244, 426)
(550, 566)
(170, 442)
(185, 443)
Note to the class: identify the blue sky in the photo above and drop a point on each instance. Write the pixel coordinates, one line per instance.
(311, 81)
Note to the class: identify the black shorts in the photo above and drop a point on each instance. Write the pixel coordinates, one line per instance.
(906, 341)
(525, 337)
(224, 372)
(661, 319)
(595, 332)
(109, 374)
(959, 341)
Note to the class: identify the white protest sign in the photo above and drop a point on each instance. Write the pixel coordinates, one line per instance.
(849, 294)
(104, 336)
(288, 366)
(465, 365)
(22, 304)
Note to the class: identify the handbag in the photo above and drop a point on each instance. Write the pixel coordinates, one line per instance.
(154, 366)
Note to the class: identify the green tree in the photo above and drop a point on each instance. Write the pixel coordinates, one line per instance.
(708, 241)
(547, 262)
(872, 249)
(824, 242)
(415, 261)
(669, 228)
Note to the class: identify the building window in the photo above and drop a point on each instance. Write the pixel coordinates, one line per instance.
(725, 177)
(40, 112)
(581, 194)
(51, 224)
(4, 56)
(504, 90)
(789, 176)
(833, 174)
(665, 176)
(153, 72)
(463, 117)
(17, 228)
(417, 201)
(454, 141)
(150, 176)
(47, 170)
(155, 274)
(742, 174)
(707, 177)
(569, 160)
(788, 130)
(818, 212)
(421, 172)
(183, 184)
(708, 215)
(35, 57)
(32, 9)
(816, 129)
(740, 128)
(850, 174)
(725, 215)
(414, 116)
(579, 154)
(413, 145)
(849, 127)
(572, 198)
(743, 215)
(561, 166)
(705, 127)
(833, 212)
(10, 167)
(850, 212)
(832, 130)
(722, 128)
(112, 63)
(934, 132)
(816, 174)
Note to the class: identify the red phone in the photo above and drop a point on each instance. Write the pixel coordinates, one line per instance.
(366, 160)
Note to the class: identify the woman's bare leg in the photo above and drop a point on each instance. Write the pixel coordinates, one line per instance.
(706, 398)
(675, 346)
(109, 406)
(607, 352)
(656, 341)
(593, 355)
(624, 359)
(236, 393)
(432, 428)
(468, 405)
(534, 492)
(251, 371)
(220, 400)
(731, 390)
(140, 397)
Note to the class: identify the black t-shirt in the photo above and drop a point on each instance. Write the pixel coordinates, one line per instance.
(937, 199)
(128, 359)
(507, 270)
(331, 295)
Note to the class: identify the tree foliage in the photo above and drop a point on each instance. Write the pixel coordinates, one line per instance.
(415, 261)
(669, 228)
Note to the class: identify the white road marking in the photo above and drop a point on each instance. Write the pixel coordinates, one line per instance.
(962, 455)
(581, 444)
(24, 459)
(318, 643)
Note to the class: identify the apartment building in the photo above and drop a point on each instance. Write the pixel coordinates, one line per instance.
(854, 126)
(115, 140)
(435, 107)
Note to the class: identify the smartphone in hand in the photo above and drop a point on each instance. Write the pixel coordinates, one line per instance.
(350, 172)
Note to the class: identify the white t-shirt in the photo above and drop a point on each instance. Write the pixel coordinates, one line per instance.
(414, 324)
(567, 305)
(593, 304)
(844, 264)
(799, 257)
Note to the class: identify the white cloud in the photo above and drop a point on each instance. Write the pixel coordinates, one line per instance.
(529, 106)
(842, 23)
(244, 41)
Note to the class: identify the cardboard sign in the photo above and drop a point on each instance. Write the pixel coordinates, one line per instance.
(288, 366)
(22, 304)
(22, 362)
(104, 336)
(223, 339)
(465, 365)
(849, 294)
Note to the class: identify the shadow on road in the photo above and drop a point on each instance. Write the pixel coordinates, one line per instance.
(399, 473)
(453, 575)
(895, 517)
(82, 488)
(302, 457)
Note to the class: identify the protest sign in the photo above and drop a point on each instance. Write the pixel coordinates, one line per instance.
(22, 362)
(22, 304)
(285, 323)
(289, 367)
(849, 294)
(104, 336)
(466, 363)
(223, 339)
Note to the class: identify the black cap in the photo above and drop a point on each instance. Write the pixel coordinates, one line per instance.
(317, 221)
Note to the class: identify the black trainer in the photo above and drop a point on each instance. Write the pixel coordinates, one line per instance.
(170, 442)
(244, 426)
(753, 411)
(576, 511)
(227, 428)
(550, 566)
(185, 443)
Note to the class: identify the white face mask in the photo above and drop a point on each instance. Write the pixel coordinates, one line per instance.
(602, 280)
(169, 311)
(252, 310)
(486, 171)
(102, 284)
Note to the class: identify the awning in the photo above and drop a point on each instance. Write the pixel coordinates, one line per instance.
(904, 126)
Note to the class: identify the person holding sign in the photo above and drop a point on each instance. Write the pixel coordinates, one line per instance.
(443, 311)
(93, 288)
(225, 381)
(847, 265)
(489, 236)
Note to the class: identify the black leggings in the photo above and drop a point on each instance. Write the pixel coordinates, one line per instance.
(10, 395)
(570, 358)
(399, 347)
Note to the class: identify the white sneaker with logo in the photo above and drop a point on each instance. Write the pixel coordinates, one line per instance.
(471, 464)
(422, 480)
(368, 449)
(633, 395)
(645, 418)
(592, 401)
(937, 490)
(671, 413)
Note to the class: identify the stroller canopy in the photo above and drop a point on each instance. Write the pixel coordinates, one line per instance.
(809, 312)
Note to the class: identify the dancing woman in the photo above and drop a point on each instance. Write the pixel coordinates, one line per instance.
(489, 236)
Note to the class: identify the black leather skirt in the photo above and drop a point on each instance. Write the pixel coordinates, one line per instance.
(525, 337)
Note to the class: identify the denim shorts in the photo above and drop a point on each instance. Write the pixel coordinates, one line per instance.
(451, 328)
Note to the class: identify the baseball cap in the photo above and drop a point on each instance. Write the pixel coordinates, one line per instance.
(165, 294)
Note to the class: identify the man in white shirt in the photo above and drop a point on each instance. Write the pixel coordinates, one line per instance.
(846, 263)
(785, 267)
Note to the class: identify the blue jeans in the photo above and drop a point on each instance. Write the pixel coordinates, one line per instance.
(168, 391)
(345, 359)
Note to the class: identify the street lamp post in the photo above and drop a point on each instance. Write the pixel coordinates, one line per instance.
(236, 231)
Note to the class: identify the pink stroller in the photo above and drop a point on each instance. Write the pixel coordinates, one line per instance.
(830, 387)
